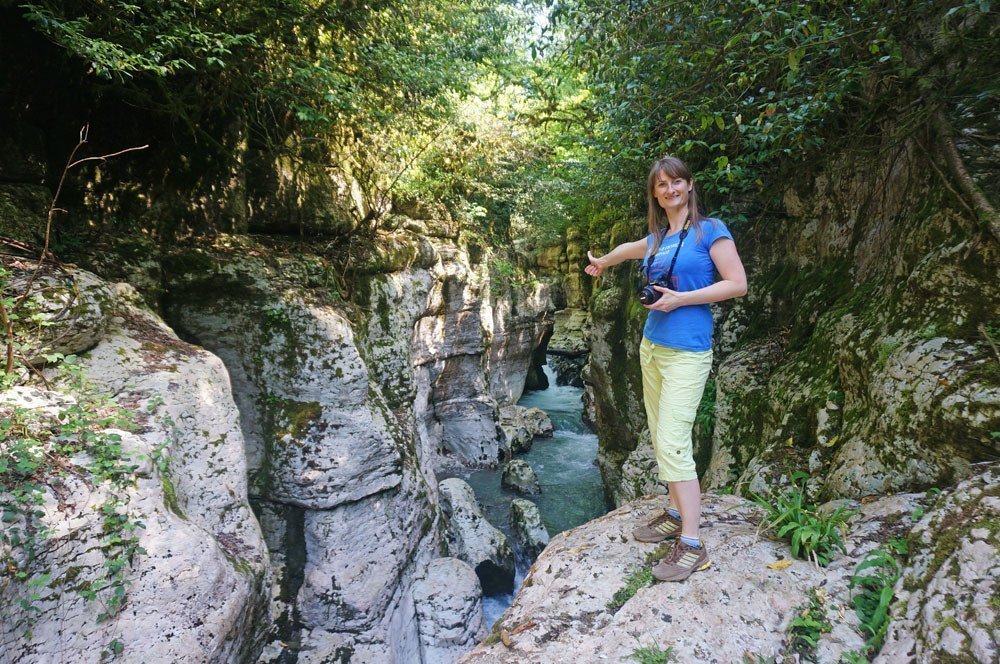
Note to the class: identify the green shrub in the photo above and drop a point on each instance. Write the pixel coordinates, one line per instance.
(34, 454)
(805, 629)
(813, 536)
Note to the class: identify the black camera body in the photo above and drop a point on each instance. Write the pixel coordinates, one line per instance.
(648, 294)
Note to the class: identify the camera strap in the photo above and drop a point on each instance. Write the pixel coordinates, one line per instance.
(673, 261)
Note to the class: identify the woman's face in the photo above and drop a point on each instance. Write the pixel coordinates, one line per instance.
(671, 192)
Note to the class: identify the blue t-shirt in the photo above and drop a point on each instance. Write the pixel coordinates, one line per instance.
(686, 328)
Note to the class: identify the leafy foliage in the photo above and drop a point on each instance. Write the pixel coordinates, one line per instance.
(35, 452)
(366, 90)
(123, 40)
(813, 536)
(636, 581)
(746, 91)
(805, 629)
(874, 582)
(323, 62)
(704, 418)
(652, 654)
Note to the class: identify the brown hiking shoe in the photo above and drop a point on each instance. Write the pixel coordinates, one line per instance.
(681, 562)
(662, 527)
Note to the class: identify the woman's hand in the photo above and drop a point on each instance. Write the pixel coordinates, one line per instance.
(669, 301)
(597, 265)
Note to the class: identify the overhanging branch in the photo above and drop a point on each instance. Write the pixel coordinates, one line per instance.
(980, 204)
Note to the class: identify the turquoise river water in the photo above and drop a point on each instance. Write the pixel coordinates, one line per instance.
(565, 464)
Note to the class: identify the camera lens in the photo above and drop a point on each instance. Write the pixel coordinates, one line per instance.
(649, 295)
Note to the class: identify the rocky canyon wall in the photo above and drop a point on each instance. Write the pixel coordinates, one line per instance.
(864, 353)
(329, 415)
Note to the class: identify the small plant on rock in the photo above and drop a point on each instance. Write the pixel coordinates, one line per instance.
(812, 535)
(36, 451)
(853, 657)
(652, 654)
(874, 592)
(635, 581)
(805, 629)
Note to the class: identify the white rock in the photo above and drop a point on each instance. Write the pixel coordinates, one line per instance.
(947, 589)
(526, 522)
(449, 611)
(199, 590)
(76, 306)
(472, 539)
(520, 426)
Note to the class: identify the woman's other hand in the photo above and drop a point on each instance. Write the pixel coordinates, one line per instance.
(597, 265)
(669, 300)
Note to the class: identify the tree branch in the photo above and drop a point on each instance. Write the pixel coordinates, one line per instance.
(982, 207)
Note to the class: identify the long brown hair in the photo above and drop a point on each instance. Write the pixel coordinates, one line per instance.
(672, 167)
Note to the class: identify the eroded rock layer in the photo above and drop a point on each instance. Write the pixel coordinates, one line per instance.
(329, 415)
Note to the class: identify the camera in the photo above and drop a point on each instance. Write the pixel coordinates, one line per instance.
(648, 294)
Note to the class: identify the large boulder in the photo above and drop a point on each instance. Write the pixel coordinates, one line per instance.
(473, 539)
(199, 582)
(448, 596)
(573, 605)
(66, 313)
(520, 476)
(526, 522)
(520, 426)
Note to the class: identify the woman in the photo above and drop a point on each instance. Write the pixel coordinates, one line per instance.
(682, 251)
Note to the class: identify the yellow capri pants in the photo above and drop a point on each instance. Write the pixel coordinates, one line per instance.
(672, 384)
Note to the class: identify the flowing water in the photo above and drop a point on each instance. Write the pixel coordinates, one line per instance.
(572, 492)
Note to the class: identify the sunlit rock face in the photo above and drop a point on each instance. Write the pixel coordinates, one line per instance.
(75, 305)
(568, 346)
(526, 522)
(200, 585)
(882, 381)
(520, 426)
(330, 416)
(519, 476)
(457, 344)
(449, 611)
(348, 408)
(571, 606)
(336, 473)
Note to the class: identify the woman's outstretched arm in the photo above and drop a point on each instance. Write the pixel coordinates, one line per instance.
(623, 252)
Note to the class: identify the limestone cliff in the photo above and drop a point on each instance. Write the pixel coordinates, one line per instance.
(199, 584)
(349, 407)
(328, 414)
